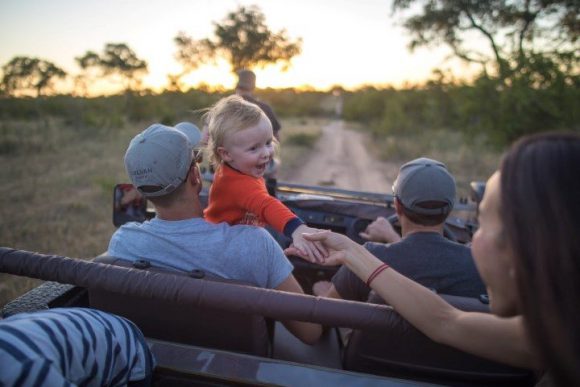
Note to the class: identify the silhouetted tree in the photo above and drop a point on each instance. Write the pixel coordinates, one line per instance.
(243, 39)
(89, 64)
(174, 83)
(24, 73)
(516, 32)
(117, 59)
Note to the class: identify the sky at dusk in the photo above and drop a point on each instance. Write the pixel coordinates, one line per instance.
(345, 42)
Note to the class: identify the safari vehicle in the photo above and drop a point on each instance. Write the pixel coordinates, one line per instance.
(210, 331)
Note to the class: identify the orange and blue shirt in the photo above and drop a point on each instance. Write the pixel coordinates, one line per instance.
(237, 198)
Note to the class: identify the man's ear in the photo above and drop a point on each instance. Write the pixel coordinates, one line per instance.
(194, 174)
(398, 207)
(224, 154)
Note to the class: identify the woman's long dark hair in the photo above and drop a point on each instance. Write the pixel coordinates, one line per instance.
(540, 209)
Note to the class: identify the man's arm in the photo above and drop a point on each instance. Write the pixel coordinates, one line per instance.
(348, 286)
(380, 230)
(308, 333)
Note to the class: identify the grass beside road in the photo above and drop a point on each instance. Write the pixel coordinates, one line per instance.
(56, 190)
(297, 138)
(468, 159)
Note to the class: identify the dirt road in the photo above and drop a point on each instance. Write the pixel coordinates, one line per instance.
(340, 159)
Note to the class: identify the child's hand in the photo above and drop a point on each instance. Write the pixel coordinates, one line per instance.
(314, 252)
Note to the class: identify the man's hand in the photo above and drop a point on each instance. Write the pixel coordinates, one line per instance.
(312, 251)
(129, 196)
(380, 230)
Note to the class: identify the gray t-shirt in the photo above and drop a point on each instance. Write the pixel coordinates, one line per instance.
(425, 257)
(244, 253)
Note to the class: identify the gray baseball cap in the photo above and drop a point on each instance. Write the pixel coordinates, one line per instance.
(423, 180)
(160, 156)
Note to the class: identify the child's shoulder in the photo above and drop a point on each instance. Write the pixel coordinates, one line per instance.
(229, 174)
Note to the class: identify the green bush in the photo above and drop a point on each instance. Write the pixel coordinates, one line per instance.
(499, 110)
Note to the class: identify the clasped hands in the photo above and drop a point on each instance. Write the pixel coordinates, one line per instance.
(331, 248)
(328, 248)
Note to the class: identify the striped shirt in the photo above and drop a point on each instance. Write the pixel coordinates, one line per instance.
(72, 346)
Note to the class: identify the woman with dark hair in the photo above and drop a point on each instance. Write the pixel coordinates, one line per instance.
(528, 253)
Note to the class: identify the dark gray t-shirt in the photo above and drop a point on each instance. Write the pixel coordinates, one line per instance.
(267, 109)
(425, 257)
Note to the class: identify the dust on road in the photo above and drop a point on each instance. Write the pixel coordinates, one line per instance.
(340, 159)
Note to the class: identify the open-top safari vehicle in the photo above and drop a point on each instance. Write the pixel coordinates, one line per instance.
(210, 331)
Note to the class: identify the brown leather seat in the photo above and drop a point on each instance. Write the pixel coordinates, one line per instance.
(400, 350)
(245, 333)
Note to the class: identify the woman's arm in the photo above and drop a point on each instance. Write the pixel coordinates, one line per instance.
(499, 339)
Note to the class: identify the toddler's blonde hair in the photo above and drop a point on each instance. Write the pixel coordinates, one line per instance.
(229, 115)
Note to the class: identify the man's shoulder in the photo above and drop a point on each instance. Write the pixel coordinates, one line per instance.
(432, 238)
(252, 99)
(263, 105)
(128, 228)
(425, 242)
(250, 235)
(377, 246)
(452, 246)
(242, 229)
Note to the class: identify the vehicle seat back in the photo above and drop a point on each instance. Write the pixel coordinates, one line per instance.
(170, 321)
(400, 350)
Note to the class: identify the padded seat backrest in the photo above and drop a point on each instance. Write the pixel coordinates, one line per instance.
(400, 350)
(171, 321)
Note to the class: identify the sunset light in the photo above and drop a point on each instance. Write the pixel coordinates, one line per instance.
(344, 43)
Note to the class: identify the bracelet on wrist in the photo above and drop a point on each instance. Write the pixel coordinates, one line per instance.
(375, 273)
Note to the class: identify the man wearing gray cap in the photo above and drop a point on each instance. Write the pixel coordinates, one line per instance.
(424, 196)
(161, 162)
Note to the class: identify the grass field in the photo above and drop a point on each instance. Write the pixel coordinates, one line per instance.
(467, 159)
(56, 191)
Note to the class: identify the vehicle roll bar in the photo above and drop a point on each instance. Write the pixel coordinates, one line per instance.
(194, 292)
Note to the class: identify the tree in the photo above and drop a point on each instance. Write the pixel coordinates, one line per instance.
(117, 59)
(23, 73)
(89, 64)
(244, 39)
(516, 31)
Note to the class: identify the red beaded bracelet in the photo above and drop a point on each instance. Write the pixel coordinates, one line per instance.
(375, 273)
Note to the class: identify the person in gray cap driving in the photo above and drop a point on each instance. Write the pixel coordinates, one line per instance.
(424, 197)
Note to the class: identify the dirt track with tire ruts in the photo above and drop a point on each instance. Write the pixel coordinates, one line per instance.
(340, 159)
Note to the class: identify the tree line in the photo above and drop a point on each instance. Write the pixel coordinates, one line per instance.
(242, 37)
(529, 77)
(528, 57)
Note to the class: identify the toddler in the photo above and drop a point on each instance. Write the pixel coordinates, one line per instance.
(241, 145)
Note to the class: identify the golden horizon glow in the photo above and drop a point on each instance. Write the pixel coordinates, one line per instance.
(352, 44)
